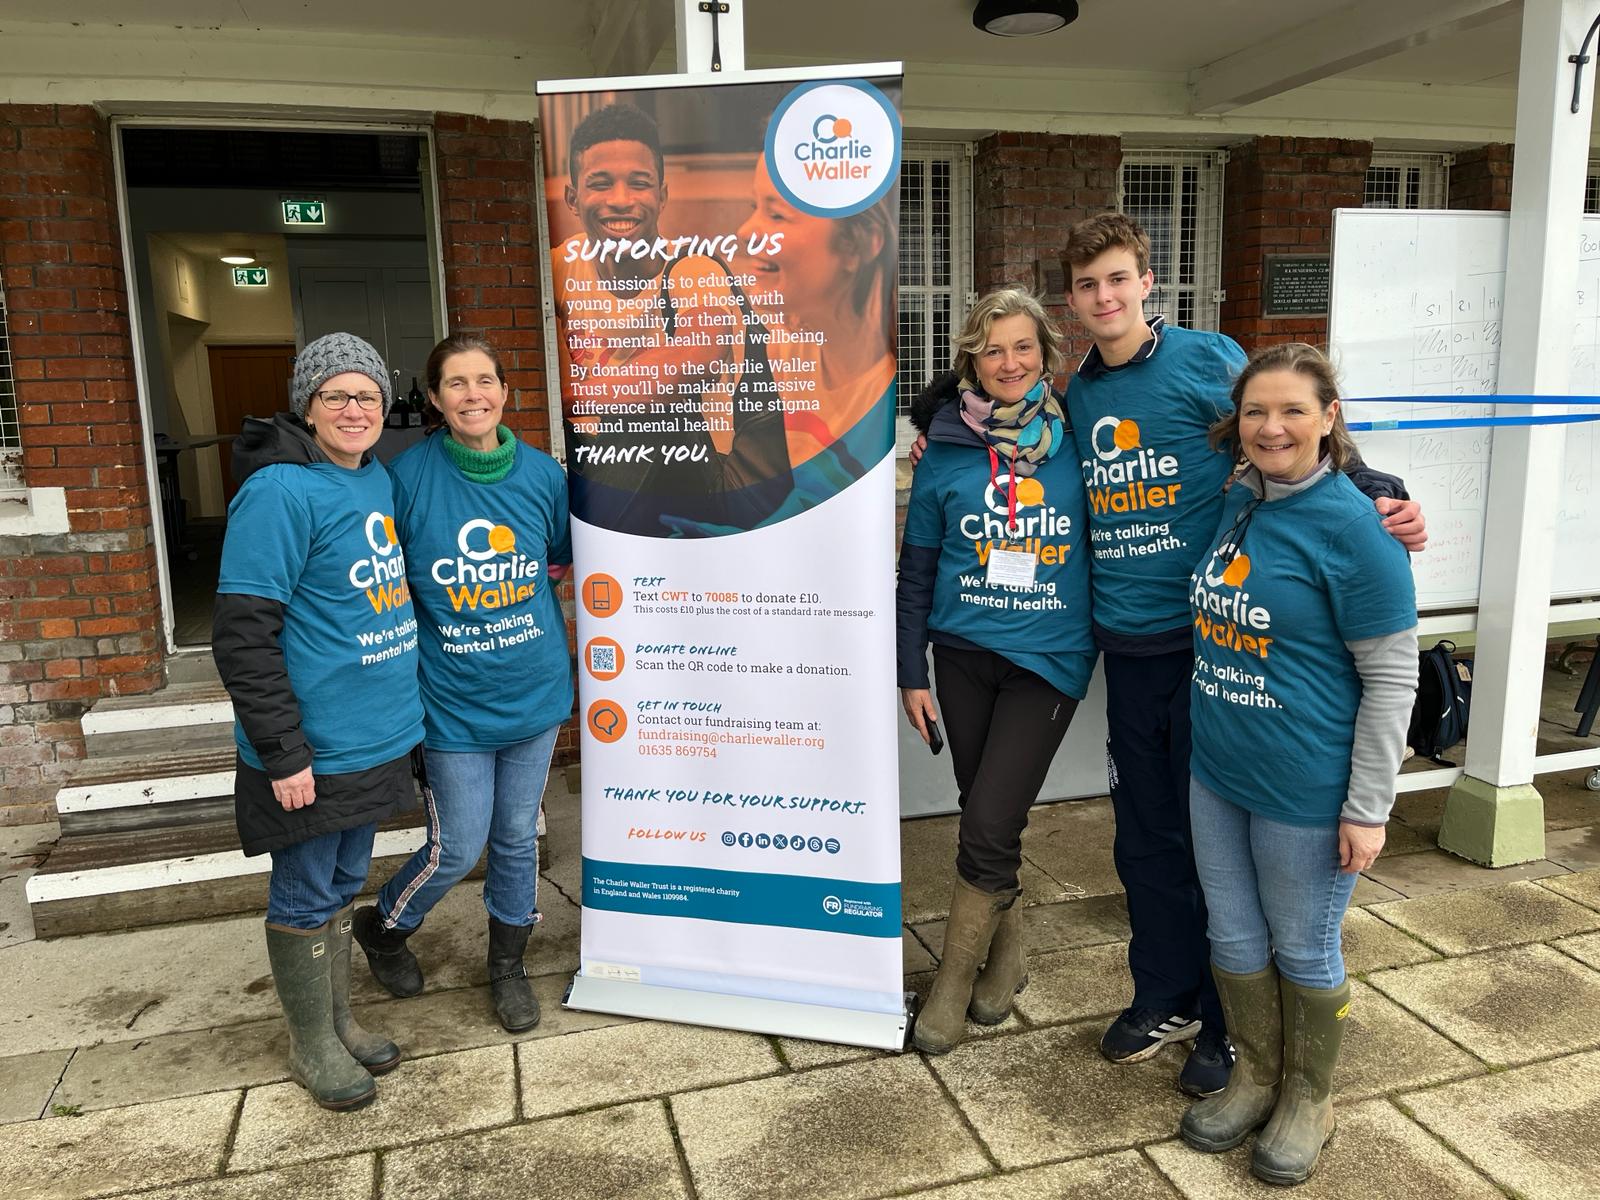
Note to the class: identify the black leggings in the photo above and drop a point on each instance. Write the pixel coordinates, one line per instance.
(1004, 725)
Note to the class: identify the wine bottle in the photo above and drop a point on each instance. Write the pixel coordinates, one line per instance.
(416, 403)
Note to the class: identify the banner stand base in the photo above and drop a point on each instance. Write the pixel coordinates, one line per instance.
(781, 1018)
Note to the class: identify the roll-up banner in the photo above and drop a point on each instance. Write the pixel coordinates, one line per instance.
(724, 256)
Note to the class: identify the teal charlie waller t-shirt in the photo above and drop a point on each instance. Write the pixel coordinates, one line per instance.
(1274, 696)
(1154, 483)
(495, 666)
(956, 507)
(320, 540)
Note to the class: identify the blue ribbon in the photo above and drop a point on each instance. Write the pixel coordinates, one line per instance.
(1474, 422)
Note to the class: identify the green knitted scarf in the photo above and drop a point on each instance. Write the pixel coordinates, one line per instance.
(484, 466)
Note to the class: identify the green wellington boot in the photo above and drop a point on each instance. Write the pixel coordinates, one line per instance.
(973, 916)
(301, 961)
(1254, 1010)
(1005, 974)
(1313, 1027)
(374, 1052)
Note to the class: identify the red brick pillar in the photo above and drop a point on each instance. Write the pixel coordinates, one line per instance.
(1481, 178)
(79, 610)
(487, 190)
(1027, 190)
(1278, 198)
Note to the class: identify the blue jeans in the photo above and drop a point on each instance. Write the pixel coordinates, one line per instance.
(1273, 891)
(314, 879)
(477, 798)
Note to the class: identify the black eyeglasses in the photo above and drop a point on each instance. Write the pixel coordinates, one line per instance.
(339, 401)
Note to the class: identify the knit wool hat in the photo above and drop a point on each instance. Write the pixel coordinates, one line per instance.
(334, 354)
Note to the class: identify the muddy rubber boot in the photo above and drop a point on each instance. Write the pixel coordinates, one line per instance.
(393, 965)
(1313, 1028)
(973, 916)
(1005, 973)
(301, 960)
(374, 1052)
(1253, 1007)
(514, 1000)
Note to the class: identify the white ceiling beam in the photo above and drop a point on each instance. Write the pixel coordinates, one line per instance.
(1338, 41)
(628, 35)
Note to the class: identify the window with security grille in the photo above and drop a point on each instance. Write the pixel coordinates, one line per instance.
(935, 259)
(1591, 187)
(1407, 181)
(1177, 196)
(10, 429)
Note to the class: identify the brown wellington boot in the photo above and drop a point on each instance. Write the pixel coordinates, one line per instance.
(1254, 1011)
(973, 916)
(1005, 974)
(1313, 1027)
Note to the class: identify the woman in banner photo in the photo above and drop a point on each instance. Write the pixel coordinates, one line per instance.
(995, 573)
(483, 518)
(315, 640)
(1305, 671)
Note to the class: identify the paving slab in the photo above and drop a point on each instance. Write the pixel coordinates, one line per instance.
(1567, 804)
(1585, 949)
(1488, 918)
(1505, 1006)
(1433, 871)
(27, 1082)
(1048, 1094)
(623, 1153)
(1125, 1175)
(331, 1179)
(1377, 1152)
(143, 1146)
(1534, 1130)
(1583, 888)
(804, 1055)
(841, 1133)
(420, 1101)
(1069, 985)
(1400, 838)
(1071, 842)
(1576, 849)
(16, 918)
(1373, 945)
(630, 1062)
(914, 956)
(928, 864)
(1386, 1049)
(1092, 921)
(1369, 891)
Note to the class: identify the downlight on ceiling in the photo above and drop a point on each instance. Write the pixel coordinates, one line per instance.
(1024, 18)
(239, 258)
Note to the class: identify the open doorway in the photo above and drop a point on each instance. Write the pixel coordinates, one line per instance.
(246, 244)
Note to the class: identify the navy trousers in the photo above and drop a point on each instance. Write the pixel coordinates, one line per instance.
(1147, 759)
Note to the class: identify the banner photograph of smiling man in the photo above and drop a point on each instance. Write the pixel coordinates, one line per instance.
(723, 261)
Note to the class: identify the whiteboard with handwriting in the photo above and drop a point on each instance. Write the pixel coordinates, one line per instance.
(1415, 311)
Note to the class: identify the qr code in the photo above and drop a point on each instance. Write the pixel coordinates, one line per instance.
(602, 659)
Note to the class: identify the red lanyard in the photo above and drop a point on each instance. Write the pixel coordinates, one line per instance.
(1011, 487)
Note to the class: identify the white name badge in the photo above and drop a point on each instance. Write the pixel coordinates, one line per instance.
(1011, 568)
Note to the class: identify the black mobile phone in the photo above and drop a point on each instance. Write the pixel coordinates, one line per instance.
(935, 738)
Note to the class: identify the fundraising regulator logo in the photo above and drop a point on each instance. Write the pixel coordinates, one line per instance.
(833, 147)
(487, 571)
(381, 575)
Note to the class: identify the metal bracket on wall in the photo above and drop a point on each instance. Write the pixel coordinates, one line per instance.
(716, 9)
(1577, 60)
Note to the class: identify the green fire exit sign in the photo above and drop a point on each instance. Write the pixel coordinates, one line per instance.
(249, 277)
(305, 212)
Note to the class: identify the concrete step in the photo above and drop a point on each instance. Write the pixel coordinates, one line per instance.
(149, 789)
(176, 706)
(192, 666)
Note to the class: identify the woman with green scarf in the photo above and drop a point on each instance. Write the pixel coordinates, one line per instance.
(483, 520)
(994, 573)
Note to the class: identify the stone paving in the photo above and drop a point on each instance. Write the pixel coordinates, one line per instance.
(151, 1063)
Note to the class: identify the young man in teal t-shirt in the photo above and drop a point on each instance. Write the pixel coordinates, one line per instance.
(1140, 405)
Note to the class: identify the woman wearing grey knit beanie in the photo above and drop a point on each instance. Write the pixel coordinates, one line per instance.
(315, 639)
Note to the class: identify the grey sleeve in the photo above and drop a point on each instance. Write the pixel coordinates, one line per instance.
(1388, 669)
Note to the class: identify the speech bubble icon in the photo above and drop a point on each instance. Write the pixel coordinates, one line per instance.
(1127, 435)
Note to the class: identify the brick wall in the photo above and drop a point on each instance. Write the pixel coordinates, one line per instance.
(1027, 190)
(1481, 178)
(79, 611)
(1278, 198)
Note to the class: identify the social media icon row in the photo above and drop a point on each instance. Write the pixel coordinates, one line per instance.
(780, 841)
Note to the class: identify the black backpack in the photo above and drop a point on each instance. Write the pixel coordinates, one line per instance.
(1444, 699)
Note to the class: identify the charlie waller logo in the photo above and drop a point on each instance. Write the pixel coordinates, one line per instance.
(487, 571)
(833, 147)
(1223, 612)
(1124, 476)
(382, 576)
(1036, 522)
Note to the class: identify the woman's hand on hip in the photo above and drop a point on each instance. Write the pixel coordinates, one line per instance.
(297, 791)
(918, 703)
(1358, 846)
